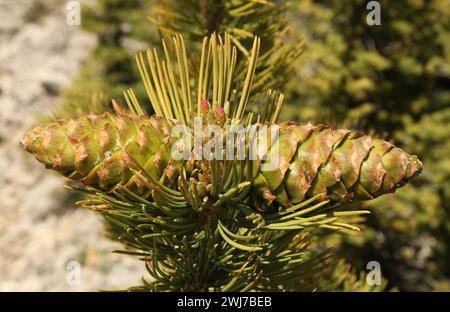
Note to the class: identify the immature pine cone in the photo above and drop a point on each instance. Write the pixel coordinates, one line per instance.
(345, 165)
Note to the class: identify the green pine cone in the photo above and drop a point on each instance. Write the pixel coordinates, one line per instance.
(344, 165)
(95, 149)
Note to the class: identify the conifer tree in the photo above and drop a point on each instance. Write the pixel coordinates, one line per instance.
(214, 223)
(109, 69)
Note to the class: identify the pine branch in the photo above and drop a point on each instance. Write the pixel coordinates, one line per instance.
(197, 224)
(242, 20)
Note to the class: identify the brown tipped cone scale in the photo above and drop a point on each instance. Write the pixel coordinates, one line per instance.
(343, 165)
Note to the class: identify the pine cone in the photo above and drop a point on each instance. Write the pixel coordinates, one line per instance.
(95, 149)
(344, 165)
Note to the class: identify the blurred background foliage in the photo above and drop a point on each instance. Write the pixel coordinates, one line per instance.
(122, 29)
(392, 80)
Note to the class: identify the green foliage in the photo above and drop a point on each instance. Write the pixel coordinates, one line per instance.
(195, 223)
(398, 69)
(392, 78)
(241, 20)
(122, 29)
(340, 276)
